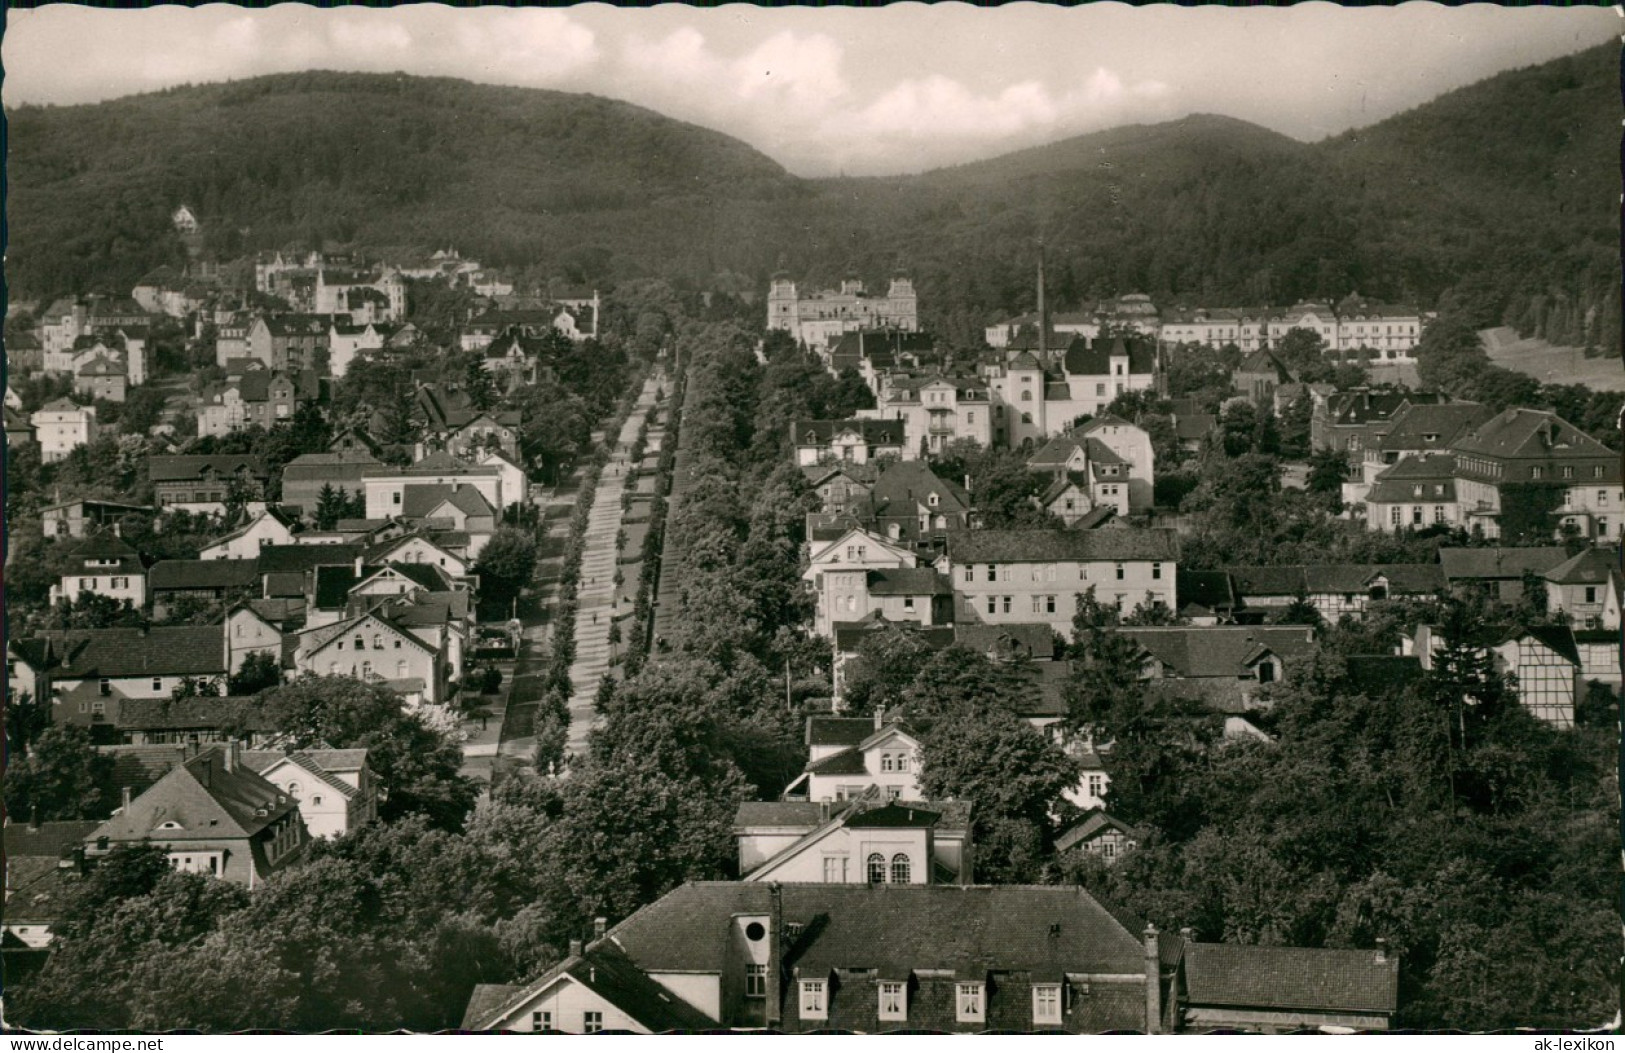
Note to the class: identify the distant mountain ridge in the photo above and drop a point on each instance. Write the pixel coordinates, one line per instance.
(1498, 199)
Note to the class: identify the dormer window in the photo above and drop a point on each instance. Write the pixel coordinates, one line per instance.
(1046, 1004)
(893, 1000)
(970, 1005)
(814, 1000)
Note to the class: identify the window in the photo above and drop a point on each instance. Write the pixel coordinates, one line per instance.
(902, 762)
(1536, 472)
(899, 869)
(1596, 472)
(106, 686)
(396, 497)
(993, 605)
(834, 870)
(317, 799)
(755, 981)
(157, 683)
(1591, 594)
(541, 1020)
(378, 641)
(893, 1001)
(968, 1004)
(1119, 572)
(908, 604)
(1100, 391)
(1394, 516)
(1602, 497)
(885, 762)
(992, 572)
(1568, 471)
(1046, 1003)
(813, 1006)
(1036, 601)
(1007, 605)
(970, 572)
(360, 643)
(1438, 513)
(877, 869)
(1097, 786)
(1156, 572)
(1049, 604)
(592, 1022)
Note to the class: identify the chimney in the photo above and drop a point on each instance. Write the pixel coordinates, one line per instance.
(358, 566)
(1153, 982)
(124, 795)
(1382, 950)
(880, 718)
(599, 924)
(575, 948)
(232, 755)
(823, 811)
(1187, 934)
(208, 773)
(775, 952)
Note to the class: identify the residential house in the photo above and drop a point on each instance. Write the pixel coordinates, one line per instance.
(861, 573)
(86, 671)
(1418, 493)
(24, 354)
(289, 342)
(419, 548)
(1004, 576)
(1500, 572)
(212, 815)
(1034, 400)
(1584, 589)
(104, 566)
(848, 637)
(102, 376)
(847, 756)
(272, 526)
(1544, 659)
(1336, 590)
(854, 957)
(19, 431)
(1356, 420)
(334, 789)
(249, 632)
(192, 722)
(1226, 667)
(1508, 460)
(910, 504)
(262, 398)
(386, 486)
(856, 841)
(935, 410)
(374, 647)
(1428, 428)
(41, 873)
(82, 517)
(202, 482)
(1101, 834)
(207, 580)
(61, 426)
(304, 477)
(858, 441)
(1110, 462)
(1259, 376)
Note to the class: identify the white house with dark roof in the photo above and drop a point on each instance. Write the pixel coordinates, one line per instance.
(62, 426)
(271, 526)
(848, 757)
(1101, 834)
(104, 566)
(211, 815)
(373, 647)
(858, 441)
(861, 573)
(1004, 576)
(335, 789)
(856, 841)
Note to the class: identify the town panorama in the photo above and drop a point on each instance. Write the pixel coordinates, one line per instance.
(1166, 594)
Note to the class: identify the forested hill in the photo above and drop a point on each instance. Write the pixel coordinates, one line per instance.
(1498, 200)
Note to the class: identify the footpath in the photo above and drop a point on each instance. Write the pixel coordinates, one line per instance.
(597, 603)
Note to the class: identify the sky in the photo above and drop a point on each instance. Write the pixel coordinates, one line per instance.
(834, 90)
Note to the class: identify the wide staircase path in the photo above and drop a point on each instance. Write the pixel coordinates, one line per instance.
(596, 605)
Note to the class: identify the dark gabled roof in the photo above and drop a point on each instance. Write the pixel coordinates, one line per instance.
(1209, 588)
(1432, 427)
(1432, 473)
(1055, 453)
(605, 970)
(838, 731)
(333, 585)
(823, 432)
(1096, 822)
(1459, 563)
(796, 815)
(911, 483)
(311, 761)
(205, 799)
(1086, 357)
(1363, 407)
(1038, 546)
(1263, 361)
(969, 930)
(169, 468)
(1032, 639)
(203, 574)
(1290, 978)
(47, 840)
(1530, 433)
(187, 650)
(847, 762)
(892, 815)
(1267, 581)
(908, 581)
(484, 1002)
(1594, 566)
(1559, 638)
(296, 559)
(1219, 650)
(138, 767)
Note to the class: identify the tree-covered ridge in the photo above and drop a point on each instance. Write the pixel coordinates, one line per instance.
(1496, 199)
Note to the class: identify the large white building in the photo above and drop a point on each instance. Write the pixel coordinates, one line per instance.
(817, 318)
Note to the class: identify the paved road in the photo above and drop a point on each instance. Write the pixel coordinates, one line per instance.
(596, 604)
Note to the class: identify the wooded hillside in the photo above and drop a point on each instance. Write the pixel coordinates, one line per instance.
(1498, 201)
